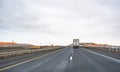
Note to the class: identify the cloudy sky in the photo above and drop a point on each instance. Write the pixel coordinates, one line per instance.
(59, 21)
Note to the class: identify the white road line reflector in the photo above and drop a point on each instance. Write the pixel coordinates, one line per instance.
(71, 58)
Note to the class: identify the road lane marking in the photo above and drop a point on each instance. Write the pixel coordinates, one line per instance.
(27, 60)
(71, 58)
(104, 56)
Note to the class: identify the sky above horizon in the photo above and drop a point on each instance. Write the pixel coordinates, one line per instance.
(59, 21)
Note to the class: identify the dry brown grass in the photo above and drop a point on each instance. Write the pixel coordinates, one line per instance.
(33, 49)
(4, 43)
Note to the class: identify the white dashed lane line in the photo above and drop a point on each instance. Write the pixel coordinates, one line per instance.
(70, 57)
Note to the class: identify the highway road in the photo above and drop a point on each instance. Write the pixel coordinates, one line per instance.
(67, 60)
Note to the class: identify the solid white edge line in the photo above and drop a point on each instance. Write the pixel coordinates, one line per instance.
(106, 57)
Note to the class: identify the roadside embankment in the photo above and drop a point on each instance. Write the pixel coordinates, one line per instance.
(11, 52)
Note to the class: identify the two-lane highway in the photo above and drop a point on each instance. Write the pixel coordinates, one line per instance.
(68, 60)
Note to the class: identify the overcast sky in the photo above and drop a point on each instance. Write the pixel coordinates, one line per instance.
(59, 21)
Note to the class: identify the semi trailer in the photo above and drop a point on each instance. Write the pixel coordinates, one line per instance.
(75, 43)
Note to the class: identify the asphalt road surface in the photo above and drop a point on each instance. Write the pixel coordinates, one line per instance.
(67, 60)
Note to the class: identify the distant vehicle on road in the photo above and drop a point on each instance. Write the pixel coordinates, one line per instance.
(75, 43)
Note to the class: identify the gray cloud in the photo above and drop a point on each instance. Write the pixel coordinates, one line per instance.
(62, 17)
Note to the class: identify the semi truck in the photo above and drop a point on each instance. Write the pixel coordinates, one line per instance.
(75, 43)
